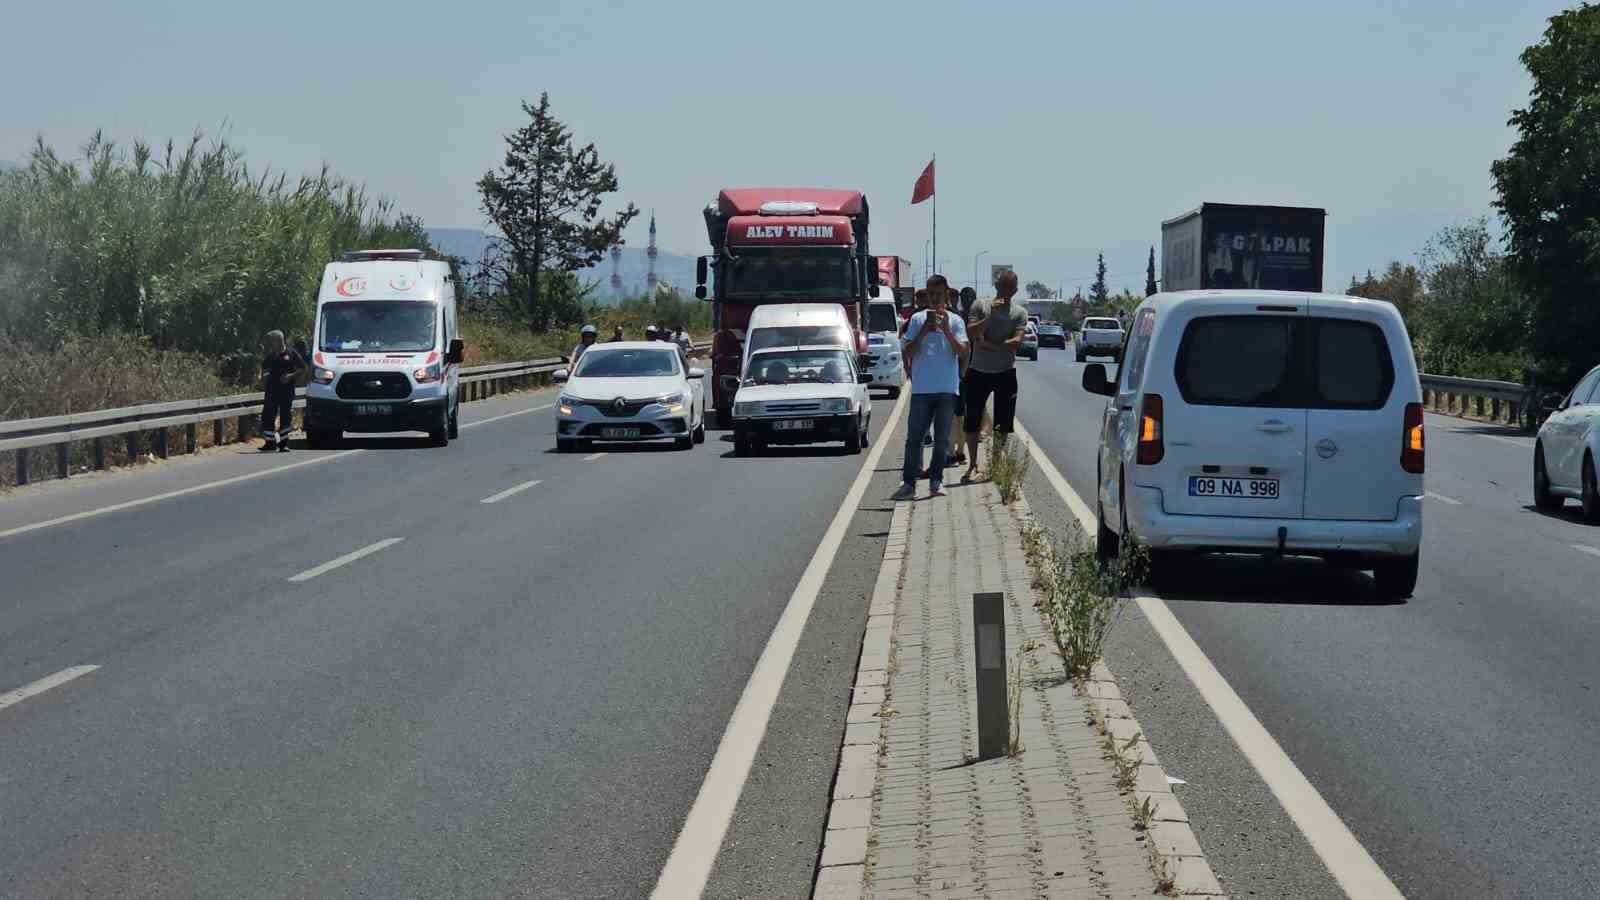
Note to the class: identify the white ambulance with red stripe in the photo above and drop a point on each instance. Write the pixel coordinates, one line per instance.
(386, 354)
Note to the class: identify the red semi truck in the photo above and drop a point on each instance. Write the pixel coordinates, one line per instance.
(781, 245)
(894, 272)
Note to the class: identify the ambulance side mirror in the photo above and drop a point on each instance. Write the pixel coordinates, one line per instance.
(458, 351)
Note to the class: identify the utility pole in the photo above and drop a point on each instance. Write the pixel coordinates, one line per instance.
(975, 269)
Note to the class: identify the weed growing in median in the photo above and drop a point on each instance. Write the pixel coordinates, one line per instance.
(1014, 704)
(1008, 466)
(1083, 597)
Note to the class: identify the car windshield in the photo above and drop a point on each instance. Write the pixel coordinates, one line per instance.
(1050, 329)
(800, 336)
(789, 273)
(1103, 324)
(882, 317)
(799, 367)
(369, 326)
(626, 363)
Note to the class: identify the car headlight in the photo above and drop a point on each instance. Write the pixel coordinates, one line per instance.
(426, 374)
(323, 376)
(839, 405)
(752, 408)
(566, 404)
(673, 402)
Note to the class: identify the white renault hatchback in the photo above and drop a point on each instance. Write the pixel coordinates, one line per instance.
(1273, 423)
(631, 391)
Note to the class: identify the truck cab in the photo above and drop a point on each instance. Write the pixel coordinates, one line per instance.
(781, 245)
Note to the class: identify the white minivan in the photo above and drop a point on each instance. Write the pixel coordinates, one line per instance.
(796, 325)
(1274, 423)
(385, 355)
(883, 344)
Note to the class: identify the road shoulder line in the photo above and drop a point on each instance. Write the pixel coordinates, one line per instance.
(13, 697)
(699, 841)
(1347, 860)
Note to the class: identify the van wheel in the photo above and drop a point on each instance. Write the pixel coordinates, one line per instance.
(454, 429)
(317, 439)
(1542, 496)
(1105, 541)
(1397, 578)
(1591, 491)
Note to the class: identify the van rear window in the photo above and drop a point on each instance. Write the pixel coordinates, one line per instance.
(1284, 361)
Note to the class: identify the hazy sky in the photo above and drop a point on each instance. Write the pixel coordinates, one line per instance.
(1061, 128)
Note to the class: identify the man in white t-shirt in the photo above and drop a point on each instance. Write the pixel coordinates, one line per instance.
(934, 345)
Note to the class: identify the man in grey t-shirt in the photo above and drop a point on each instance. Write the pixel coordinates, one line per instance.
(995, 330)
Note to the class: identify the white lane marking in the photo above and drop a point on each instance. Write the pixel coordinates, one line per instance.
(592, 457)
(1355, 869)
(345, 560)
(211, 485)
(695, 851)
(1441, 498)
(13, 697)
(511, 491)
(1585, 548)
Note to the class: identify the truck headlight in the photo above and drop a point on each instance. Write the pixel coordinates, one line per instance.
(426, 374)
(322, 376)
(752, 408)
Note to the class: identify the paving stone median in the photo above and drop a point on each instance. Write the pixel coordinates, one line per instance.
(913, 814)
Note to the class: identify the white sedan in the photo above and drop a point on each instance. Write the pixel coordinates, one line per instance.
(631, 391)
(801, 395)
(1569, 443)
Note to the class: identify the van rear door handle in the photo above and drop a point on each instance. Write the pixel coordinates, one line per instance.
(1274, 426)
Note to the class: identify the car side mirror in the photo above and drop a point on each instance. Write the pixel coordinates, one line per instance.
(458, 351)
(730, 384)
(863, 378)
(699, 292)
(1552, 402)
(1094, 380)
(697, 373)
(559, 376)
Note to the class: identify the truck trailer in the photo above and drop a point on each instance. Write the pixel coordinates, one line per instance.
(1227, 245)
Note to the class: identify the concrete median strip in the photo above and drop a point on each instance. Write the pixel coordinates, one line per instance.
(913, 811)
(1347, 860)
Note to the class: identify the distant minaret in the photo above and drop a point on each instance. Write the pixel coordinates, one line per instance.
(650, 277)
(616, 274)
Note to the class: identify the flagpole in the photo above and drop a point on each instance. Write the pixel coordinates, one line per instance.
(935, 165)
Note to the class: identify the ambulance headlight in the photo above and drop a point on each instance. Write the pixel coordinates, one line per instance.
(322, 376)
(426, 374)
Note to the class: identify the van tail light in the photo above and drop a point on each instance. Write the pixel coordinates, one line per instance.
(1413, 456)
(1151, 446)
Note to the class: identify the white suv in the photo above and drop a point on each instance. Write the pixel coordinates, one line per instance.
(1265, 422)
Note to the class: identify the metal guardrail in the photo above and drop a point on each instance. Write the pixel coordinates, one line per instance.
(1498, 401)
(22, 436)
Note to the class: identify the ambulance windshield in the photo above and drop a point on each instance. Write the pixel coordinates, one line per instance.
(378, 326)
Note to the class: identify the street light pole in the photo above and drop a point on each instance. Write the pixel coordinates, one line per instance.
(975, 258)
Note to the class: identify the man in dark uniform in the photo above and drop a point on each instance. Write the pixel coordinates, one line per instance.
(279, 369)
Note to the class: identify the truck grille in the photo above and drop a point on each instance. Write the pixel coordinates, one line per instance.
(374, 386)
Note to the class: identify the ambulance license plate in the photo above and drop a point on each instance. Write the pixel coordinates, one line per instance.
(374, 409)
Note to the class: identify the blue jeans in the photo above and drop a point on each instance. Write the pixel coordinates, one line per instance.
(927, 410)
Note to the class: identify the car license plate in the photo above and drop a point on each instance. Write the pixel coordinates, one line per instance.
(792, 425)
(619, 432)
(374, 409)
(1239, 488)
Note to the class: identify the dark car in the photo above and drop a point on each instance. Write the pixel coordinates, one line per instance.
(1052, 335)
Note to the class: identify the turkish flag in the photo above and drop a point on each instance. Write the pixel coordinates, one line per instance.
(923, 189)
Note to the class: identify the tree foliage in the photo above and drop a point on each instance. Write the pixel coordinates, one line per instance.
(1150, 273)
(1098, 293)
(1549, 191)
(183, 245)
(545, 199)
(1038, 290)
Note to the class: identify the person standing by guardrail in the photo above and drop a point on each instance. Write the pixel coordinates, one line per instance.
(279, 370)
(587, 335)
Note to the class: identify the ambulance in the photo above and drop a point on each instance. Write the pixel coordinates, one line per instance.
(386, 353)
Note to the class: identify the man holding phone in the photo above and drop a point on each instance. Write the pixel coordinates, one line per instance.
(935, 343)
(996, 327)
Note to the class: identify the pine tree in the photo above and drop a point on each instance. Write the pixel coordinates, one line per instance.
(1150, 273)
(1098, 294)
(545, 200)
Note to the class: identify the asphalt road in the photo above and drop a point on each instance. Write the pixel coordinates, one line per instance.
(506, 699)
(1453, 733)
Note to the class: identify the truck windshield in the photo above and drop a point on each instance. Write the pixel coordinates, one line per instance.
(882, 317)
(788, 273)
(382, 326)
(799, 367)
